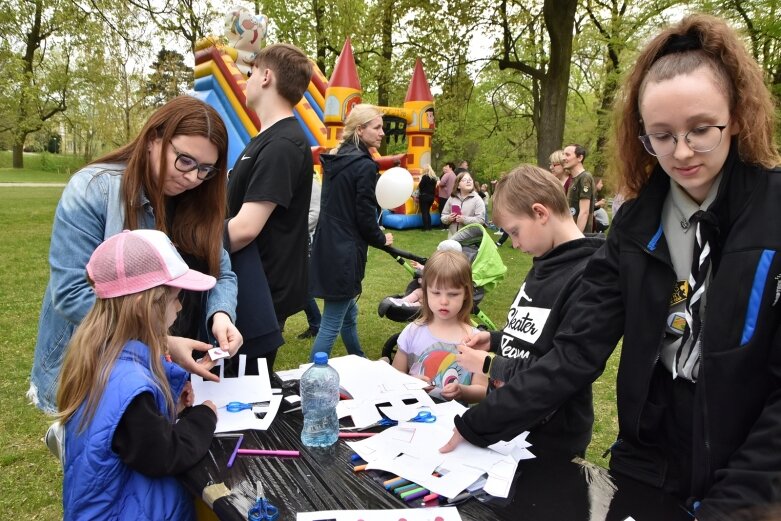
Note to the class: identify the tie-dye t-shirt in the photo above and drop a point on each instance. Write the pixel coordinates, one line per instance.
(432, 356)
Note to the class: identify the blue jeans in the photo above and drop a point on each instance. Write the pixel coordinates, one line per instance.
(313, 317)
(339, 316)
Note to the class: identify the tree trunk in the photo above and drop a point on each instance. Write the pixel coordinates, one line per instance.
(321, 40)
(559, 20)
(18, 154)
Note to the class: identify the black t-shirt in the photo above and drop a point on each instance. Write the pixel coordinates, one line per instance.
(276, 166)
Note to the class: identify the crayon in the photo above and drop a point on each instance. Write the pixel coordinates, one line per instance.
(359, 468)
(405, 495)
(416, 495)
(355, 457)
(405, 488)
(394, 483)
(430, 497)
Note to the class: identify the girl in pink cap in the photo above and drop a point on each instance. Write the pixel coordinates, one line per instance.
(119, 393)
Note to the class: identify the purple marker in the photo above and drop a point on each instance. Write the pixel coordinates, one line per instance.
(235, 451)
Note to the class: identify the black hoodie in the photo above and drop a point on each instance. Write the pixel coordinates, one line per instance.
(534, 316)
(347, 224)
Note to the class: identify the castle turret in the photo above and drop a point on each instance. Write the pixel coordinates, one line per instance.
(420, 103)
(341, 95)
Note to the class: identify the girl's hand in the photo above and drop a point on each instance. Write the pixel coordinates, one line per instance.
(497, 383)
(416, 265)
(210, 405)
(425, 379)
(452, 391)
(455, 440)
(186, 399)
(388, 239)
(228, 337)
(181, 351)
(481, 341)
(471, 359)
(459, 219)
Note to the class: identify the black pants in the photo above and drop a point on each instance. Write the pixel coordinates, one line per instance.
(442, 201)
(425, 210)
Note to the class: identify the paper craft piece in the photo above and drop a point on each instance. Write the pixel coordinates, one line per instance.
(290, 374)
(258, 417)
(404, 404)
(408, 514)
(244, 389)
(411, 450)
(361, 377)
(215, 353)
(292, 399)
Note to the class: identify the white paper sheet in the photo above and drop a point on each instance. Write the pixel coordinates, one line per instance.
(245, 389)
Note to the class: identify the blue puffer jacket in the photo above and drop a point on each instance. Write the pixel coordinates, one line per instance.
(97, 484)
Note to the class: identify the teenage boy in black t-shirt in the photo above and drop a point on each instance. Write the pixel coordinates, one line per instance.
(268, 197)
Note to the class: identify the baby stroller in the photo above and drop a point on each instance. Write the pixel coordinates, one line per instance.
(487, 271)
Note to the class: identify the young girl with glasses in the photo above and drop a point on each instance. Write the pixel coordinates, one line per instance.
(690, 277)
(170, 177)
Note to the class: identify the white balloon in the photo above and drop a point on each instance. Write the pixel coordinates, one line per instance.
(394, 187)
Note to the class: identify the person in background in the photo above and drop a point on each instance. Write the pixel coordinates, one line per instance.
(346, 228)
(581, 190)
(445, 320)
(268, 204)
(601, 218)
(689, 277)
(556, 160)
(464, 206)
(445, 186)
(170, 177)
(119, 397)
(313, 316)
(426, 188)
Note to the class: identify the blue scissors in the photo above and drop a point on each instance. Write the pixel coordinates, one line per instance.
(241, 406)
(424, 417)
(263, 510)
(238, 406)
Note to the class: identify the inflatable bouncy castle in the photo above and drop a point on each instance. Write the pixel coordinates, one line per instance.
(221, 72)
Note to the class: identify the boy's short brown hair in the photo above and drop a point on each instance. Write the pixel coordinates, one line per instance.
(525, 185)
(292, 69)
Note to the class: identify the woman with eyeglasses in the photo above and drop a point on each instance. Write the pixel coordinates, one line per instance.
(690, 277)
(171, 177)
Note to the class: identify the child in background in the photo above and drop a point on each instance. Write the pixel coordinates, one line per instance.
(427, 347)
(531, 206)
(414, 298)
(119, 394)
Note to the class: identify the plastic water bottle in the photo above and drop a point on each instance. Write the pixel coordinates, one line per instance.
(319, 396)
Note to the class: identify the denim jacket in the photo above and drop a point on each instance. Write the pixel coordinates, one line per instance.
(91, 210)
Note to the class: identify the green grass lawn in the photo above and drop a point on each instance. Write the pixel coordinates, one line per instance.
(31, 478)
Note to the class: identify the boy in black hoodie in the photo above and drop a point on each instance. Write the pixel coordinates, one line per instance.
(530, 206)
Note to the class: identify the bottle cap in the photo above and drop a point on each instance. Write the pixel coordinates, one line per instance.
(321, 358)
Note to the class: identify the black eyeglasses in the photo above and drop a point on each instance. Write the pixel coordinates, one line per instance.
(699, 139)
(187, 163)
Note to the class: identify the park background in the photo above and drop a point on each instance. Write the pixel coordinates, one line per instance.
(512, 81)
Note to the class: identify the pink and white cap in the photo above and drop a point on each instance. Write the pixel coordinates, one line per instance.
(138, 260)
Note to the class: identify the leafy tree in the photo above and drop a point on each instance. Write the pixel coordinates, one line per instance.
(170, 77)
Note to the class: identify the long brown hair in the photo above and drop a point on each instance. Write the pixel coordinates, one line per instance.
(448, 269)
(98, 342)
(712, 44)
(197, 225)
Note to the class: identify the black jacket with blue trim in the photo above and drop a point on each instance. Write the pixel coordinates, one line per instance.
(736, 452)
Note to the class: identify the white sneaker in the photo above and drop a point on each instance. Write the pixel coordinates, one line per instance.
(54, 440)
